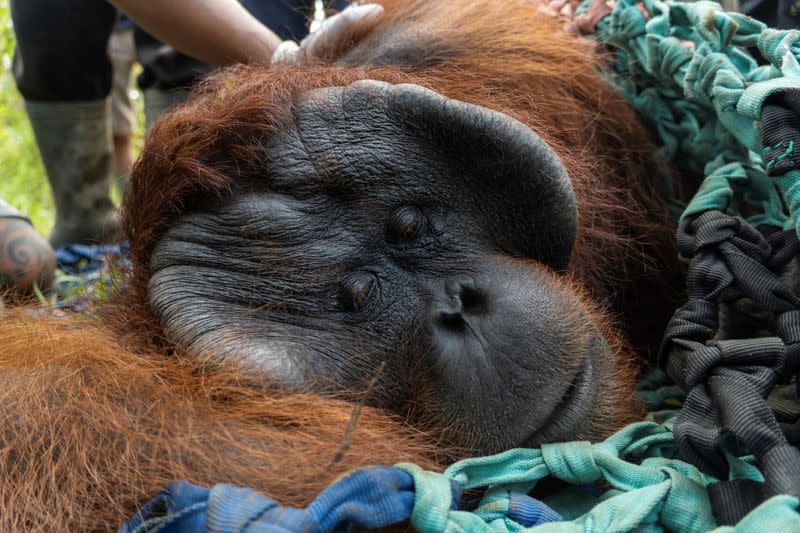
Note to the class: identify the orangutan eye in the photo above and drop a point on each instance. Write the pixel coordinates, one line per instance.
(404, 225)
(356, 290)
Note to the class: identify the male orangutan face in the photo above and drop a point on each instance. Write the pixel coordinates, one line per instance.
(404, 238)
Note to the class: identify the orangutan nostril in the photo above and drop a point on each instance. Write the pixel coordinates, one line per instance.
(473, 300)
(452, 321)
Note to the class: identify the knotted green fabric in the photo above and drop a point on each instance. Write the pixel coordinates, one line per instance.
(650, 489)
(684, 68)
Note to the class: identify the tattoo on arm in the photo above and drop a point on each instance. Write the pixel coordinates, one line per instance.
(25, 256)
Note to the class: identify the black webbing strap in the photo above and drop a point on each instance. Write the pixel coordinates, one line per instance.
(733, 278)
(733, 499)
(780, 131)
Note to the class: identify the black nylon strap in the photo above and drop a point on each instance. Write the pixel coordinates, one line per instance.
(783, 463)
(780, 131)
(729, 379)
(732, 500)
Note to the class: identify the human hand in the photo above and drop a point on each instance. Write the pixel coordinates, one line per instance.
(334, 36)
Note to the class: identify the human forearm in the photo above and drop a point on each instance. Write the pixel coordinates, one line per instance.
(25, 257)
(217, 31)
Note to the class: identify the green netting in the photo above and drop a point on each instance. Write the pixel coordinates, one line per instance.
(685, 69)
(630, 482)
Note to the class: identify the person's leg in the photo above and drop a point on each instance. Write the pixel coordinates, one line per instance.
(782, 14)
(287, 18)
(788, 14)
(336, 5)
(730, 5)
(167, 75)
(122, 53)
(62, 70)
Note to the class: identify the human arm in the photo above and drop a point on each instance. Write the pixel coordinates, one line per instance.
(25, 256)
(219, 32)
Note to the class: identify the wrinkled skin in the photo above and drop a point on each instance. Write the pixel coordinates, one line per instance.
(374, 248)
(317, 286)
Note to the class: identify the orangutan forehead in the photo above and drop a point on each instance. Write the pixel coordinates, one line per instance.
(395, 144)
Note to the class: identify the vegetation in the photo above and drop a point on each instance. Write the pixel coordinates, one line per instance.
(23, 182)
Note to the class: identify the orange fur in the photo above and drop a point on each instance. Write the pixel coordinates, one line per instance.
(99, 413)
(91, 431)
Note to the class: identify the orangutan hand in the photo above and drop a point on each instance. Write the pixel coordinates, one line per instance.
(334, 36)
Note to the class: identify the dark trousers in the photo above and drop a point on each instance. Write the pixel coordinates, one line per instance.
(783, 14)
(61, 47)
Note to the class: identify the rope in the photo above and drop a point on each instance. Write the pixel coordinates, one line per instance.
(683, 67)
(371, 498)
(650, 489)
(729, 379)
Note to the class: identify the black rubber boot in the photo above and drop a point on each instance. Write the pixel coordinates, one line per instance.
(74, 139)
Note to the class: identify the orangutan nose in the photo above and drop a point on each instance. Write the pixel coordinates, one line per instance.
(463, 301)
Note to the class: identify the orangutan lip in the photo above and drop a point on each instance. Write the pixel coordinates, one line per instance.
(570, 411)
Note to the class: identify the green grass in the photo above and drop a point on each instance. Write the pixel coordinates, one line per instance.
(23, 182)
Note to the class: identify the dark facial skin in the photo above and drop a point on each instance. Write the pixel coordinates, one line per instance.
(372, 245)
